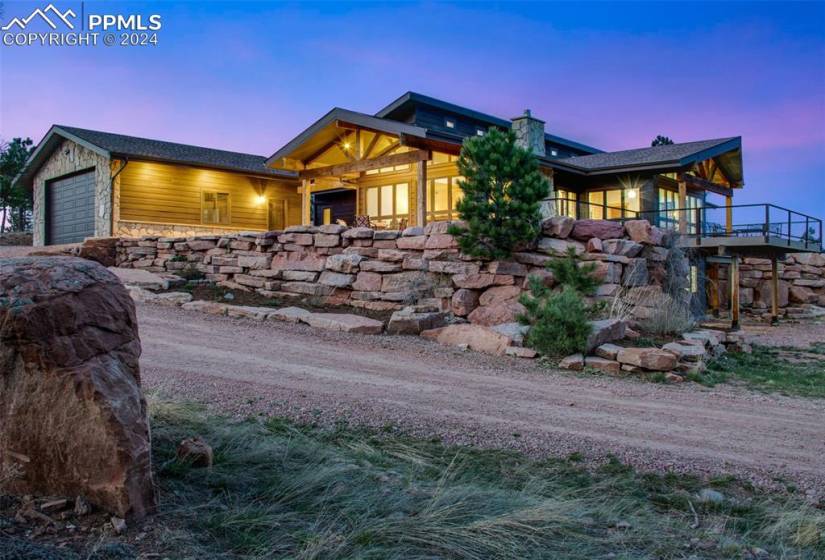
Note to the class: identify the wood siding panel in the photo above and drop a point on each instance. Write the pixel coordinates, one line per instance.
(164, 193)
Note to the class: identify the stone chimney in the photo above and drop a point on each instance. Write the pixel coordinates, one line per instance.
(529, 133)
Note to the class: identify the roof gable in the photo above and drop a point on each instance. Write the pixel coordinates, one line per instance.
(114, 145)
(668, 156)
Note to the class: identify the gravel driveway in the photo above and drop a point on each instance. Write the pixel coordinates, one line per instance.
(242, 367)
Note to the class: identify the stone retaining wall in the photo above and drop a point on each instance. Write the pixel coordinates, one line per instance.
(388, 270)
(801, 283)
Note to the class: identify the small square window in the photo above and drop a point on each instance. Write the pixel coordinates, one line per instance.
(215, 208)
(449, 123)
(554, 152)
(479, 132)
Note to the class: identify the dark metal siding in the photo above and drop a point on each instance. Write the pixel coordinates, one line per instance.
(70, 208)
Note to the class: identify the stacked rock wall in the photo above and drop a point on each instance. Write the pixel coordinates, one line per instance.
(387, 270)
(801, 283)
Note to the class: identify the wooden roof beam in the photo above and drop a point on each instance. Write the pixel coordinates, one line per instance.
(365, 164)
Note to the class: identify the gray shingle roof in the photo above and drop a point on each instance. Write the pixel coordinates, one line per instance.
(158, 150)
(673, 154)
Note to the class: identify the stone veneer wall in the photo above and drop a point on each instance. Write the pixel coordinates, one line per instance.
(69, 158)
(140, 229)
(386, 270)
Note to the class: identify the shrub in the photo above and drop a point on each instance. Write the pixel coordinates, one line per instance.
(558, 320)
(502, 189)
(191, 273)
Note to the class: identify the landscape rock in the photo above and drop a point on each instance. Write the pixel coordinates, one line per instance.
(689, 352)
(344, 322)
(608, 351)
(559, 247)
(639, 231)
(515, 331)
(573, 362)
(195, 452)
(603, 364)
(140, 278)
(603, 229)
(409, 321)
(558, 226)
(496, 313)
(652, 359)
(336, 279)
(70, 381)
(622, 247)
(474, 337)
(520, 352)
(289, 314)
(464, 301)
(211, 307)
(249, 312)
(604, 331)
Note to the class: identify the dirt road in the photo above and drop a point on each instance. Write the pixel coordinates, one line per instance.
(243, 367)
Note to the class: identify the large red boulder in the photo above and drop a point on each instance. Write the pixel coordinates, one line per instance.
(603, 229)
(72, 415)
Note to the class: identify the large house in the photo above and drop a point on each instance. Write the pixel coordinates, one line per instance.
(393, 169)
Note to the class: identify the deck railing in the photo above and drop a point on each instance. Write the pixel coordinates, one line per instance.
(768, 221)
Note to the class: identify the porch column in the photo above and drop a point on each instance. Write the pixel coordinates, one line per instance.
(734, 292)
(682, 205)
(774, 291)
(306, 219)
(421, 194)
(728, 214)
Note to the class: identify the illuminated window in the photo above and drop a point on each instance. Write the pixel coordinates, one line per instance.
(567, 205)
(479, 132)
(669, 210)
(596, 205)
(442, 196)
(440, 157)
(388, 204)
(554, 153)
(449, 123)
(215, 208)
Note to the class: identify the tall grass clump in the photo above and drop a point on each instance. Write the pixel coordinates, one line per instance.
(558, 320)
(278, 490)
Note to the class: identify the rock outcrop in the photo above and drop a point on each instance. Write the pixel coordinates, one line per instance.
(72, 415)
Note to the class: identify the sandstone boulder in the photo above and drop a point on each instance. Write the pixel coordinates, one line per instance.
(289, 314)
(344, 322)
(464, 301)
(604, 331)
(410, 321)
(558, 226)
(506, 311)
(573, 362)
(603, 229)
(639, 231)
(602, 364)
(99, 249)
(559, 247)
(647, 358)
(140, 278)
(72, 414)
(474, 337)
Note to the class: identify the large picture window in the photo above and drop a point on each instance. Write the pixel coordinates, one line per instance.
(215, 208)
(669, 210)
(387, 205)
(612, 204)
(442, 196)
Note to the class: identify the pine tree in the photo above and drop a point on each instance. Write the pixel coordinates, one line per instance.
(502, 189)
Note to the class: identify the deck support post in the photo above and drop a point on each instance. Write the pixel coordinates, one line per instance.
(713, 288)
(306, 197)
(728, 214)
(682, 205)
(774, 291)
(421, 194)
(733, 278)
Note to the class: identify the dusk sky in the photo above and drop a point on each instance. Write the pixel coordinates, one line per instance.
(250, 76)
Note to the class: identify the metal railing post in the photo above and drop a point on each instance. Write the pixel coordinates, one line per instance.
(789, 228)
(806, 231)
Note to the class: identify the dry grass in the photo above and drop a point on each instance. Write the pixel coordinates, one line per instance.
(282, 491)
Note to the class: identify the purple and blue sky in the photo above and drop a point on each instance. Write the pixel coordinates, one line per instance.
(250, 76)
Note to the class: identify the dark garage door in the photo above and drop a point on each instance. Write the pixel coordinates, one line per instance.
(71, 208)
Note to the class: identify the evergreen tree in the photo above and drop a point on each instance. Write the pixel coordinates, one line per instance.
(15, 203)
(661, 141)
(502, 189)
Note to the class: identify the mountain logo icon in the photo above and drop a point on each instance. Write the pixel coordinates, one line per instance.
(43, 14)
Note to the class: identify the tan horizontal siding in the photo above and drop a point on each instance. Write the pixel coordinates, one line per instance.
(164, 193)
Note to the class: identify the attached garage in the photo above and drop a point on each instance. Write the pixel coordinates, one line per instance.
(70, 208)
